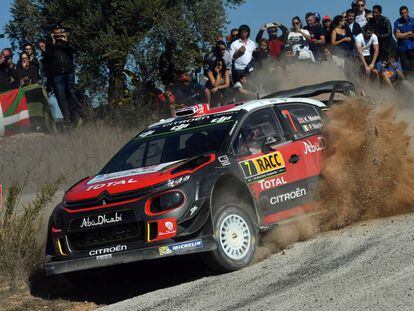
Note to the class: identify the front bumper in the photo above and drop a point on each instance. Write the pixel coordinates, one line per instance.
(208, 243)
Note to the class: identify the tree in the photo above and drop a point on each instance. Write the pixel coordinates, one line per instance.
(115, 34)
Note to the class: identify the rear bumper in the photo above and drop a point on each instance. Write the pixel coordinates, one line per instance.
(208, 243)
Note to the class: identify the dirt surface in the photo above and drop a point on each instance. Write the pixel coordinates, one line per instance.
(368, 266)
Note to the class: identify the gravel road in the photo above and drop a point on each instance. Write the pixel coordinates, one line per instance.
(369, 266)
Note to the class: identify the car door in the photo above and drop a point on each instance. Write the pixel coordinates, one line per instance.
(274, 175)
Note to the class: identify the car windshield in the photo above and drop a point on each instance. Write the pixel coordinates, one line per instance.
(172, 141)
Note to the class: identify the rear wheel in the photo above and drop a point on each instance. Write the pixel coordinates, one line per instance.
(236, 238)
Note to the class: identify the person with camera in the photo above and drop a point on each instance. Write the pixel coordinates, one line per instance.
(60, 52)
(297, 40)
(241, 51)
(27, 72)
(316, 36)
(275, 42)
(8, 75)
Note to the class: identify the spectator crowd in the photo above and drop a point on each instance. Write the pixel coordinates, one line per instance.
(361, 41)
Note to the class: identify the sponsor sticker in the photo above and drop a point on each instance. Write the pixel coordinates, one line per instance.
(107, 250)
(224, 160)
(100, 220)
(272, 183)
(298, 193)
(180, 247)
(167, 227)
(310, 147)
(104, 257)
(193, 210)
(263, 166)
(136, 171)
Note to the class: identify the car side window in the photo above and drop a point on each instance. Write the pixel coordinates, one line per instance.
(304, 119)
(256, 129)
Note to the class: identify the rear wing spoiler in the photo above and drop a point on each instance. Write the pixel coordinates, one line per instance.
(331, 87)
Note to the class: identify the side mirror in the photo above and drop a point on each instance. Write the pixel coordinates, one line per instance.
(269, 142)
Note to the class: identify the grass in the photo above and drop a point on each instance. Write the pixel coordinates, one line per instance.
(20, 248)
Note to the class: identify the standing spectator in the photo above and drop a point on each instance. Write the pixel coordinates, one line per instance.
(262, 53)
(218, 81)
(297, 40)
(341, 40)
(316, 37)
(351, 27)
(275, 42)
(48, 81)
(29, 49)
(167, 67)
(383, 30)
(233, 36)
(361, 13)
(364, 42)
(241, 51)
(8, 76)
(60, 51)
(326, 23)
(219, 52)
(404, 32)
(27, 72)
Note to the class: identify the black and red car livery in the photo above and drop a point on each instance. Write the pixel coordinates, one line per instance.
(208, 181)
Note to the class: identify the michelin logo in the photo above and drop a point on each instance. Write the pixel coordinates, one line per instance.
(180, 247)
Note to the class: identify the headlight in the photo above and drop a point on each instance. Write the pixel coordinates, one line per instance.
(178, 181)
(165, 202)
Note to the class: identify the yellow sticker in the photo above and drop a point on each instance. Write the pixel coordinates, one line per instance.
(164, 250)
(263, 166)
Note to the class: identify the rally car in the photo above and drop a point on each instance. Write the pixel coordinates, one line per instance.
(208, 181)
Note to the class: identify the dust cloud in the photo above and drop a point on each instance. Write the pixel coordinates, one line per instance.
(369, 169)
(368, 173)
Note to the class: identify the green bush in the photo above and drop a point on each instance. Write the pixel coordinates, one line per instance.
(21, 248)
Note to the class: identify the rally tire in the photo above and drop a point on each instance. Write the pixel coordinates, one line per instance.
(236, 238)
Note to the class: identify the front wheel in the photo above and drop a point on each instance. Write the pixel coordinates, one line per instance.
(236, 238)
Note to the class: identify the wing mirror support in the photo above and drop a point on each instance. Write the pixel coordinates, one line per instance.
(269, 142)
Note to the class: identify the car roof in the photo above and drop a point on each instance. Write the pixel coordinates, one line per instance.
(248, 106)
(255, 104)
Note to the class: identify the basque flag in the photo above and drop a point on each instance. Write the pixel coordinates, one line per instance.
(14, 115)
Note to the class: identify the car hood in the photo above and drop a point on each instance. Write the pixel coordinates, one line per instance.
(130, 180)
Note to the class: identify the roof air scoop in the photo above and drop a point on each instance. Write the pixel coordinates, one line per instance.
(196, 110)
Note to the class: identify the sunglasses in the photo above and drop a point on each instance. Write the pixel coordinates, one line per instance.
(296, 23)
(361, 5)
(222, 49)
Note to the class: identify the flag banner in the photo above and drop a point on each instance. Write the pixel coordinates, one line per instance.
(14, 114)
(25, 110)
